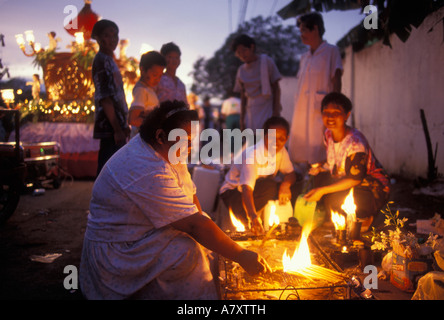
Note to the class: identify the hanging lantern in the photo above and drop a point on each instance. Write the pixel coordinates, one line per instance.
(85, 21)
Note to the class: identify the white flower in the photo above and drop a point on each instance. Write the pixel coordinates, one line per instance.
(396, 239)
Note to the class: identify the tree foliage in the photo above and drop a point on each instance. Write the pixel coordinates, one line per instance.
(216, 76)
(394, 17)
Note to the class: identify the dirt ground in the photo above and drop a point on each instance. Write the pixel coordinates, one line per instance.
(54, 223)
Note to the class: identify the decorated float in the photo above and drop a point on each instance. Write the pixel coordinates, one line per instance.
(65, 114)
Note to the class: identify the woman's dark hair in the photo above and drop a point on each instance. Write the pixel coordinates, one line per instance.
(170, 47)
(100, 26)
(168, 116)
(244, 40)
(312, 19)
(150, 59)
(276, 122)
(338, 99)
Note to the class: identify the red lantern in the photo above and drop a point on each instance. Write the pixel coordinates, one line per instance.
(85, 21)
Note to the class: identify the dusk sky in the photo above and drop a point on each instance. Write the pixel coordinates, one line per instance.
(199, 27)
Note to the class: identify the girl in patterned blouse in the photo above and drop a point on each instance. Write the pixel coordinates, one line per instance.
(350, 163)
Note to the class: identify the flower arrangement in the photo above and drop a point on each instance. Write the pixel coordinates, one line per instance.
(55, 111)
(42, 57)
(401, 242)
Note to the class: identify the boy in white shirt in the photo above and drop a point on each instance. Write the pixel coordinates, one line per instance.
(251, 182)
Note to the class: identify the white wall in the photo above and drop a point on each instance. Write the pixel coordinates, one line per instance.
(388, 87)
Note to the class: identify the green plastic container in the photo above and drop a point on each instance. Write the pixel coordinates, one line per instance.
(308, 212)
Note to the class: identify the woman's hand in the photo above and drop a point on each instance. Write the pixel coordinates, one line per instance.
(253, 263)
(314, 195)
(315, 169)
(284, 194)
(256, 226)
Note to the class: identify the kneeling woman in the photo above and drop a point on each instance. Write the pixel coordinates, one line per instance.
(350, 164)
(145, 229)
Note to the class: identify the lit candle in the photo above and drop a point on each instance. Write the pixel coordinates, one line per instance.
(8, 95)
(20, 40)
(37, 47)
(29, 35)
(273, 222)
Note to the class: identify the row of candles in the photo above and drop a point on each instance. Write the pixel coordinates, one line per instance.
(300, 263)
(36, 47)
(346, 227)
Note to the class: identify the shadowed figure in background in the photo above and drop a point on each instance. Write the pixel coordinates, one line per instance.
(111, 114)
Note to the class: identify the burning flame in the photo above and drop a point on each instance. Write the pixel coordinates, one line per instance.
(301, 257)
(274, 218)
(236, 223)
(338, 220)
(349, 206)
(301, 264)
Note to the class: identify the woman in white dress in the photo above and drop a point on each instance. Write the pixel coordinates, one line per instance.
(145, 232)
(319, 73)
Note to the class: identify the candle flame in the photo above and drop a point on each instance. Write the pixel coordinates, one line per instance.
(301, 264)
(20, 39)
(349, 206)
(274, 218)
(301, 257)
(338, 220)
(236, 223)
(29, 35)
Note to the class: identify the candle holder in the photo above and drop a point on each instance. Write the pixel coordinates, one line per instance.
(355, 230)
(30, 39)
(292, 228)
(341, 237)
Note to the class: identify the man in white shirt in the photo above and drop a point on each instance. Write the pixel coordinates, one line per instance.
(251, 181)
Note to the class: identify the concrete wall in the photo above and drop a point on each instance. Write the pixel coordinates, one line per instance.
(388, 87)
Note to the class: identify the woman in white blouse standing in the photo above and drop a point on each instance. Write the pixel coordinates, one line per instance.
(319, 73)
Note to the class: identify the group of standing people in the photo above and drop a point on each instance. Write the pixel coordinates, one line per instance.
(320, 143)
(147, 236)
(114, 121)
